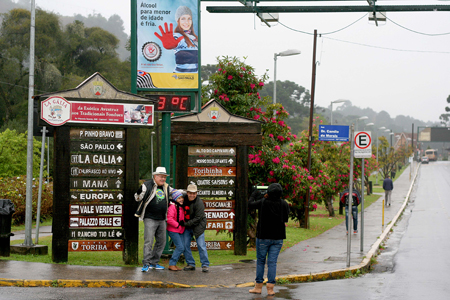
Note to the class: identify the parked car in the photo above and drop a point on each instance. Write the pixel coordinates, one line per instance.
(425, 159)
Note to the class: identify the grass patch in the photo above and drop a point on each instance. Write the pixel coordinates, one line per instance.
(319, 223)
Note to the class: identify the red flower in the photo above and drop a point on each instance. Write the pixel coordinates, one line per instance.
(230, 77)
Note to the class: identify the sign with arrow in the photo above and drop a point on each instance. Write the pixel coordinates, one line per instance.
(96, 196)
(216, 193)
(211, 171)
(78, 222)
(96, 183)
(96, 209)
(220, 225)
(94, 246)
(96, 134)
(213, 181)
(228, 204)
(216, 161)
(97, 146)
(222, 214)
(215, 245)
(95, 234)
(95, 171)
(211, 151)
(97, 159)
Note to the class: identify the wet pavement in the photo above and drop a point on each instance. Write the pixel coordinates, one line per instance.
(319, 258)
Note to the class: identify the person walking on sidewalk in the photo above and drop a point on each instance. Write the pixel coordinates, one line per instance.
(175, 215)
(355, 202)
(388, 186)
(273, 213)
(153, 196)
(195, 223)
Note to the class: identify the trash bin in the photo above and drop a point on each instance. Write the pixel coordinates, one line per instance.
(6, 211)
(370, 190)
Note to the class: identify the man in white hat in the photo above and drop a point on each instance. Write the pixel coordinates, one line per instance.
(153, 196)
(195, 223)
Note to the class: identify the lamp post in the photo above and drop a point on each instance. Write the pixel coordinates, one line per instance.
(362, 118)
(378, 169)
(331, 113)
(275, 55)
(370, 124)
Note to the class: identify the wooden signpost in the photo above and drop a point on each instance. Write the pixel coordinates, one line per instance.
(212, 152)
(95, 167)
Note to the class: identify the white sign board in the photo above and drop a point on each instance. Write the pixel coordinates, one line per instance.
(363, 144)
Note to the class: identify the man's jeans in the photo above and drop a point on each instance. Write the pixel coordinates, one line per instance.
(201, 246)
(387, 197)
(270, 249)
(177, 239)
(153, 229)
(354, 217)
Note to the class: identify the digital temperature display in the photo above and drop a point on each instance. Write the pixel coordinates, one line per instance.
(173, 103)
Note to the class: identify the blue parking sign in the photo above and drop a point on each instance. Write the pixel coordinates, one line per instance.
(333, 133)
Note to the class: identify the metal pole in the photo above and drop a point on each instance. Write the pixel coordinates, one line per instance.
(378, 169)
(350, 193)
(362, 207)
(29, 187)
(275, 79)
(41, 170)
(310, 137)
(331, 114)
(151, 141)
(48, 159)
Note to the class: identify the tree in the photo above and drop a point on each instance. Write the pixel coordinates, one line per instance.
(445, 118)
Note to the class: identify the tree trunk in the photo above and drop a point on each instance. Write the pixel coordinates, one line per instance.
(329, 203)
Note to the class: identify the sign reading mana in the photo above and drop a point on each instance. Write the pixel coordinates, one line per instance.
(85, 183)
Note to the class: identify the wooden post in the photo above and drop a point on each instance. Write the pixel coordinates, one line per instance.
(240, 226)
(130, 222)
(61, 194)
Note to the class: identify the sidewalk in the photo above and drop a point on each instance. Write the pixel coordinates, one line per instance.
(322, 257)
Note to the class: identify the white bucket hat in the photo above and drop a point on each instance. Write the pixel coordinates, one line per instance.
(192, 188)
(160, 171)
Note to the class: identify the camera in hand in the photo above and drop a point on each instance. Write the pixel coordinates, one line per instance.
(261, 188)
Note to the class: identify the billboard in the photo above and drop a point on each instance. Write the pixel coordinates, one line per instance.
(434, 134)
(167, 48)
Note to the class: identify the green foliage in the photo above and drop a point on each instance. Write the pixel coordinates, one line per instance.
(14, 189)
(13, 154)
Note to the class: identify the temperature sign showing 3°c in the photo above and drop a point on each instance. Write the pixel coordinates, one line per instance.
(363, 144)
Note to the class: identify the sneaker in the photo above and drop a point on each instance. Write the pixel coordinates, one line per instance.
(145, 268)
(355, 232)
(189, 268)
(157, 267)
(205, 269)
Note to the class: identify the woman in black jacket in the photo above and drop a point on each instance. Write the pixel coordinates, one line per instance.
(273, 213)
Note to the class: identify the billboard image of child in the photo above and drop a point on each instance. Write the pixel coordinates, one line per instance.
(168, 53)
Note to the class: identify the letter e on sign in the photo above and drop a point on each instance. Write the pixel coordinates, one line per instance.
(363, 144)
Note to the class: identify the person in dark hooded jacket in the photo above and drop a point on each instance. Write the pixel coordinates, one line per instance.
(273, 213)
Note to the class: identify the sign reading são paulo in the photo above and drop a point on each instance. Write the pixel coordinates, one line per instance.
(57, 111)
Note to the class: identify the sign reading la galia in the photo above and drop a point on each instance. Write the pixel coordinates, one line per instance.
(56, 110)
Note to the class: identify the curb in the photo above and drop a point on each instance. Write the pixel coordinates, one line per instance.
(365, 264)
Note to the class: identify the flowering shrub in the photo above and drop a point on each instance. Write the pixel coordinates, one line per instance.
(14, 189)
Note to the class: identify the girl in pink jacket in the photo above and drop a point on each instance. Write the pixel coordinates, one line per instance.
(175, 214)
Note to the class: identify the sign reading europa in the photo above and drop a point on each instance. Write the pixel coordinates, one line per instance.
(57, 111)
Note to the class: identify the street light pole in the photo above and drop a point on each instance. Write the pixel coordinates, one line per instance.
(378, 169)
(362, 118)
(331, 113)
(275, 55)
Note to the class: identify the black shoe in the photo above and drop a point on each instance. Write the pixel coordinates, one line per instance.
(205, 269)
(189, 268)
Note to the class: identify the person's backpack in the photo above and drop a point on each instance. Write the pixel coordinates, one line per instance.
(356, 198)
